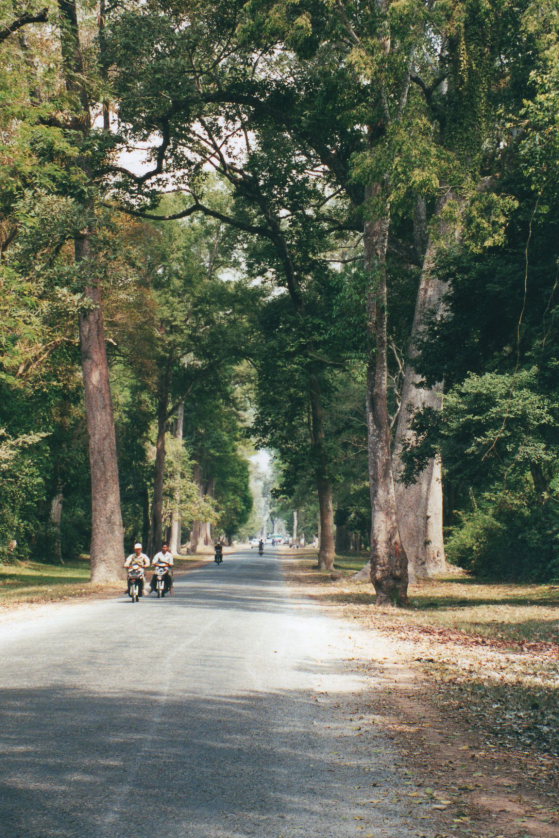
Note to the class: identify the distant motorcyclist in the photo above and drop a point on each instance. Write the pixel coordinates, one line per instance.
(163, 559)
(260, 547)
(139, 558)
(218, 548)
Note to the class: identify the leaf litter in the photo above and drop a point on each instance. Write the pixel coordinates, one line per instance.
(477, 715)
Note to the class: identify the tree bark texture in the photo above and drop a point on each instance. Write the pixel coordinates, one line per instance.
(201, 530)
(175, 537)
(326, 543)
(56, 521)
(389, 571)
(156, 528)
(195, 536)
(326, 546)
(420, 505)
(107, 550)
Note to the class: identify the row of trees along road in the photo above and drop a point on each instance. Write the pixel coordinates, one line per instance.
(387, 168)
(151, 296)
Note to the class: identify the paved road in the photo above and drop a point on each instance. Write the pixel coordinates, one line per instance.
(223, 711)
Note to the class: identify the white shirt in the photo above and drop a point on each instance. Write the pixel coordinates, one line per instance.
(133, 558)
(163, 558)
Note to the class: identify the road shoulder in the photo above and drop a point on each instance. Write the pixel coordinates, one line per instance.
(475, 786)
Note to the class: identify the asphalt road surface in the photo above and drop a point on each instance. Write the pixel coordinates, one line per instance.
(223, 711)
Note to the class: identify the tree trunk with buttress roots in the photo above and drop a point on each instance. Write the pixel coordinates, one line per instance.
(420, 504)
(389, 566)
(326, 546)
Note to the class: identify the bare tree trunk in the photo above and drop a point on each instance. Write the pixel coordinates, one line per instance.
(206, 533)
(201, 530)
(145, 515)
(56, 520)
(326, 543)
(196, 531)
(420, 505)
(389, 571)
(295, 523)
(156, 529)
(195, 536)
(326, 546)
(175, 537)
(107, 551)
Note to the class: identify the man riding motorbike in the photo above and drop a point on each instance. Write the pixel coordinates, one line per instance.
(139, 558)
(218, 552)
(163, 559)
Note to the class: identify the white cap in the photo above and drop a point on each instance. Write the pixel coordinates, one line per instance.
(137, 545)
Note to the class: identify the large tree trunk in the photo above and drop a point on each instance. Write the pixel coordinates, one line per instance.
(326, 543)
(195, 536)
(107, 550)
(420, 505)
(156, 529)
(326, 546)
(389, 571)
(56, 522)
(175, 537)
(145, 515)
(201, 532)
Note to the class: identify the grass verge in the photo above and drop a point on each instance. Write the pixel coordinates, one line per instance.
(35, 583)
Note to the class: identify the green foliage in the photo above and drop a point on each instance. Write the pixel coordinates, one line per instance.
(182, 493)
(499, 438)
(21, 491)
(509, 535)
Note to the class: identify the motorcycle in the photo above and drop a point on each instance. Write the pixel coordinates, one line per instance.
(260, 549)
(218, 558)
(162, 580)
(135, 582)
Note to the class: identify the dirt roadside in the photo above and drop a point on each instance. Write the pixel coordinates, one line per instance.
(473, 783)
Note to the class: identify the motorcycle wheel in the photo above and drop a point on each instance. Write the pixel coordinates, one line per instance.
(134, 593)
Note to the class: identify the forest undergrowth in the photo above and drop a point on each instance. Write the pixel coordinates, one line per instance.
(480, 718)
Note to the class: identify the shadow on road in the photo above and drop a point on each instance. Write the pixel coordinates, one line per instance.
(83, 764)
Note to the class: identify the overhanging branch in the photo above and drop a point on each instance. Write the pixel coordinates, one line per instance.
(23, 20)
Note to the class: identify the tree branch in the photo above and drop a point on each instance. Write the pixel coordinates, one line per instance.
(195, 207)
(23, 20)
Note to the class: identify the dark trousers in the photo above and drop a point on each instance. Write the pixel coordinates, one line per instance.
(168, 579)
(140, 586)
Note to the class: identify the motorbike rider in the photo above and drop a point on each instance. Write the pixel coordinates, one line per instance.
(139, 558)
(260, 546)
(218, 549)
(163, 559)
